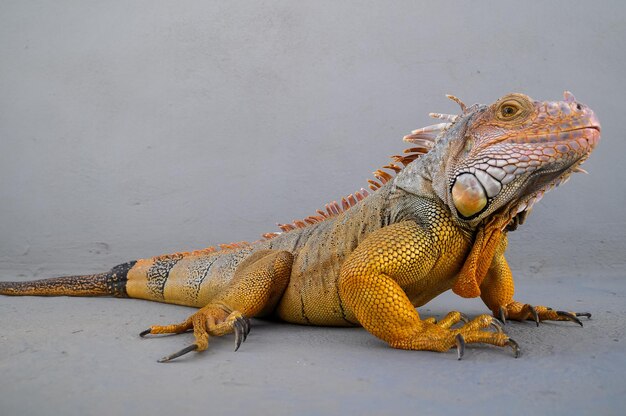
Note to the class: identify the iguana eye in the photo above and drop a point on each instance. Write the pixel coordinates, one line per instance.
(513, 107)
(509, 110)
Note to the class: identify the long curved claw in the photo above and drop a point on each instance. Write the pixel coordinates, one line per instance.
(513, 344)
(184, 351)
(587, 314)
(244, 328)
(534, 313)
(502, 313)
(460, 345)
(569, 316)
(238, 334)
(241, 328)
(464, 318)
(144, 333)
(246, 325)
(495, 322)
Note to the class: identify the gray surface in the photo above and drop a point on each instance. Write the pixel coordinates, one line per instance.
(87, 359)
(133, 129)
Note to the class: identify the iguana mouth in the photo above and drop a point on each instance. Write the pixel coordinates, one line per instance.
(533, 164)
(574, 141)
(518, 211)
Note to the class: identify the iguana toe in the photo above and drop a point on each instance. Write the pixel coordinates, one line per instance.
(569, 316)
(497, 325)
(534, 313)
(516, 349)
(502, 314)
(452, 318)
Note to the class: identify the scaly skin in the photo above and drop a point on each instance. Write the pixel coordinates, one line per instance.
(439, 224)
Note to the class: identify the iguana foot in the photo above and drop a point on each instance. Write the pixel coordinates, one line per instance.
(213, 320)
(454, 317)
(517, 311)
(439, 336)
(255, 289)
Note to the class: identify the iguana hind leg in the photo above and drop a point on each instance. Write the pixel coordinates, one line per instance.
(255, 289)
(370, 285)
(497, 291)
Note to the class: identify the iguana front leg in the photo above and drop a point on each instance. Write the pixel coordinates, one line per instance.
(370, 285)
(257, 285)
(497, 291)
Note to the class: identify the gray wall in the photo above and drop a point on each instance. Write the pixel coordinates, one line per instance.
(130, 129)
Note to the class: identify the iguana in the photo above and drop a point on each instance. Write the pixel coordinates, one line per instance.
(439, 221)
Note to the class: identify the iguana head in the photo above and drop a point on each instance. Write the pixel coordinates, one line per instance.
(501, 159)
(487, 163)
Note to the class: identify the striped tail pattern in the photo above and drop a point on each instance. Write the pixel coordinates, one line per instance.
(111, 283)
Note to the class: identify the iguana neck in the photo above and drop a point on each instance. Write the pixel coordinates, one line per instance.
(415, 183)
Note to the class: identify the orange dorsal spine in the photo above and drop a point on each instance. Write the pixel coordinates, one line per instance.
(332, 209)
(335, 208)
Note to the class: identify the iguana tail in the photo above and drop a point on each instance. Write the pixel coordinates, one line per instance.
(111, 283)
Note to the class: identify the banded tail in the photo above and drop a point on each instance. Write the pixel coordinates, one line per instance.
(111, 283)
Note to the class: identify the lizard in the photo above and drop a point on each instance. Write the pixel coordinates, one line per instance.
(438, 221)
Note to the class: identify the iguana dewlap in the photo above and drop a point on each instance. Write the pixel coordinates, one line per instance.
(439, 222)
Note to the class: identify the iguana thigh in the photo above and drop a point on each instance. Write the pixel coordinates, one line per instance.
(254, 291)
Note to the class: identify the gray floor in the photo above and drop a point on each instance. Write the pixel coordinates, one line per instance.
(83, 356)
